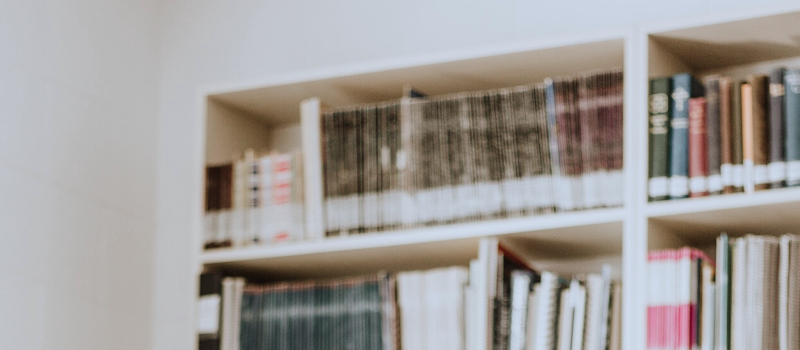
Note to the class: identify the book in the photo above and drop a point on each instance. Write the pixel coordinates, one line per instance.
(713, 135)
(659, 110)
(748, 138)
(759, 84)
(256, 199)
(726, 134)
(684, 88)
(676, 298)
(433, 160)
(792, 126)
(737, 139)
(723, 297)
(777, 155)
(209, 311)
(698, 148)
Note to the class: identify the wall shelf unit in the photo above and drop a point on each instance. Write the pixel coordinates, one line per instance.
(751, 40)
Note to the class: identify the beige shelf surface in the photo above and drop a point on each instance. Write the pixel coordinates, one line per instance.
(575, 235)
(277, 101)
(701, 220)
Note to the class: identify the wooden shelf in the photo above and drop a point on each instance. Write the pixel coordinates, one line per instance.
(565, 235)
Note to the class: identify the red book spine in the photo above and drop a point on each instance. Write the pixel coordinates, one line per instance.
(698, 148)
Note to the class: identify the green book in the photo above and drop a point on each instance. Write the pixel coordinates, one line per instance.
(659, 106)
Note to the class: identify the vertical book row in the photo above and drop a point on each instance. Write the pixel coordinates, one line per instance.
(723, 135)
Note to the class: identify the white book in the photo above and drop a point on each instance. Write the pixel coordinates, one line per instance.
(707, 323)
(579, 298)
(605, 308)
(411, 305)
(238, 289)
(228, 295)
(520, 290)
(533, 307)
(738, 295)
(544, 336)
(432, 307)
(594, 306)
(566, 314)
(615, 338)
(487, 291)
(471, 309)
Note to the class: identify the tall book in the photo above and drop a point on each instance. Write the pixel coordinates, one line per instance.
(761, 142)
(789, 289)
(659, 110)
(792, 126)
(737, 134)
(209, 311)
(684, 87)
(777, 153)
(698, 148)
(726, 135)
(713, 134)
(723, 299)
(748, 139)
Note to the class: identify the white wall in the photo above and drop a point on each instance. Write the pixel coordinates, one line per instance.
(78, 109)
(212, 42)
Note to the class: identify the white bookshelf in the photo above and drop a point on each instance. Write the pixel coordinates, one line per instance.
(750, 40)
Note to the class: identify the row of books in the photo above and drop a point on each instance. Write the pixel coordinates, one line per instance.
(428, 160)
(748, 299)
(496, 303)
(254, 199)
(723, 135)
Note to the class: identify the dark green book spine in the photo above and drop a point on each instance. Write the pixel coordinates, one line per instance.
(777, 153)
(792, 105)
(713, 143)
(659, 105)
(684, 87)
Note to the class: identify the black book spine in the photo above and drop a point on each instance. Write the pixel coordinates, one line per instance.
(210, 301)
(777, 155)
(737, 132)
(713, 136)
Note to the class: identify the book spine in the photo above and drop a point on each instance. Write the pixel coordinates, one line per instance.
(777, 155)
(698, 148)
(684, 88)
(713, 135)
(737, 134)
(659, 104)
(726, 135)
(792, 112)
(747, 137)
(761, 142)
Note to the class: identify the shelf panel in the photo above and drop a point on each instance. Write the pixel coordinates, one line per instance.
(277, 101)
(732, 43)
(565, 235)
(700, 220)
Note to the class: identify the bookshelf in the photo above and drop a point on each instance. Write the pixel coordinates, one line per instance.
(734, 43)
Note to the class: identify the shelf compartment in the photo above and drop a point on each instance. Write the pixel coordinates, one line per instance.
(707, 49)
(699, 221)
(574, 235)
(276, 102)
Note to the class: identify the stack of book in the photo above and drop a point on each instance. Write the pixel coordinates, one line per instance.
(749, 301)
(254, 199)
(723, 135)
(499, 302)
(420, 160)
